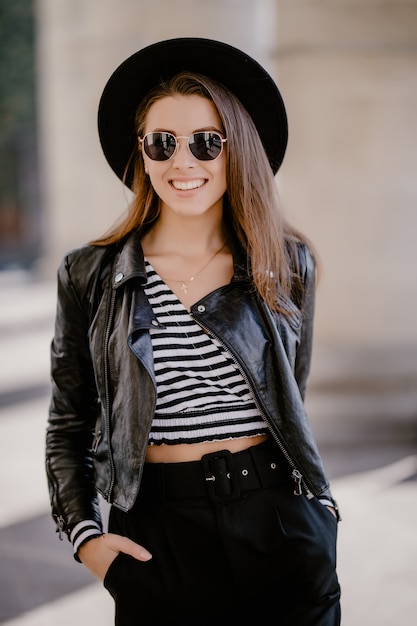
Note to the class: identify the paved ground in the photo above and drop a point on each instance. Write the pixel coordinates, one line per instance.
(373, 467)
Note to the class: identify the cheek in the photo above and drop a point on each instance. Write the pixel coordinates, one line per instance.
(155, 169)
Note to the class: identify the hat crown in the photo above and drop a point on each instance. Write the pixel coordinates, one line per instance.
(143, 70)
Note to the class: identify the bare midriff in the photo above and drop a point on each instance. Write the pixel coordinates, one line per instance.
(181, 453)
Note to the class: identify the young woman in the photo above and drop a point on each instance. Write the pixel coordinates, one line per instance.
(180, 359)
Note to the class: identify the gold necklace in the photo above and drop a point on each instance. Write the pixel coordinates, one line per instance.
(186, 281)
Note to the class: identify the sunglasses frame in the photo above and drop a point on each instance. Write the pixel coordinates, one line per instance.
(201, 132)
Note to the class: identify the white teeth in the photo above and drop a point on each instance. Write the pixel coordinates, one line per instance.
(183, 185)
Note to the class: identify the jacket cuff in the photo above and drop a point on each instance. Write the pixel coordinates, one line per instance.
(83, 532)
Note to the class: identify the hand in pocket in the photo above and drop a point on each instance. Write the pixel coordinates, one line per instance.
(98, 553)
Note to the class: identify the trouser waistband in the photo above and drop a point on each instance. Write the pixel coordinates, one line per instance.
(218, 476)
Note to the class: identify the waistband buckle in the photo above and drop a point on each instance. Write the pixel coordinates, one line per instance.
(221, 476)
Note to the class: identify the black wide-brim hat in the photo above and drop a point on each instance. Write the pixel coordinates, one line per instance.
(234, 69)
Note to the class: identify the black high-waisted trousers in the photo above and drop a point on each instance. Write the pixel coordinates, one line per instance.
(231, 544)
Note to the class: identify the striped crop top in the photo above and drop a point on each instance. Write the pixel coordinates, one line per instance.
(201, 393)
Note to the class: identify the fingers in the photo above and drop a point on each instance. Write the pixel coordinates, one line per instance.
(332, 510)
(98, 553)
(117, 543)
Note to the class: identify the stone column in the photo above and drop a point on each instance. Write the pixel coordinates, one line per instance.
(348, 72)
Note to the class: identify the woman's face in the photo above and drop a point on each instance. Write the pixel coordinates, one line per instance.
(186, 186)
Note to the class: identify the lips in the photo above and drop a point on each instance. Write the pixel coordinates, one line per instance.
(187, 185)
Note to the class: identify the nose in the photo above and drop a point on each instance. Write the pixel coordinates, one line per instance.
(183, 156)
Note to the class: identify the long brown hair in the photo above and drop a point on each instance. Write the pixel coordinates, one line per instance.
(251, 203)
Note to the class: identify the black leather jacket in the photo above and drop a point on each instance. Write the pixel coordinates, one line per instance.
(103, 385)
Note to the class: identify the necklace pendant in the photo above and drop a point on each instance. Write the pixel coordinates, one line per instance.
(184, 287)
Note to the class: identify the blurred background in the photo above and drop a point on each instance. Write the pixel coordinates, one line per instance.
(347, 70)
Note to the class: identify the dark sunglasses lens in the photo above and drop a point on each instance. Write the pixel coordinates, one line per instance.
(205, 146)
(159, 146)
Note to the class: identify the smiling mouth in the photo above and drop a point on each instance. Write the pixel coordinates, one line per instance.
(186, 185)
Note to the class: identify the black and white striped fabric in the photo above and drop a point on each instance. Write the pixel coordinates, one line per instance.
(201, 393)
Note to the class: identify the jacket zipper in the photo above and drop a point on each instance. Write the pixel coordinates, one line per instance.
(107, 397)
(296, 475)
(298, 478)
(61, 525)
(58, 517)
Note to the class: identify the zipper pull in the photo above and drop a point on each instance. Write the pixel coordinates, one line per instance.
(297, 477)
(61, 523)
(96, 442)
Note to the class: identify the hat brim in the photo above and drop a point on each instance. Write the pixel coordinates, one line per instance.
(234, 69)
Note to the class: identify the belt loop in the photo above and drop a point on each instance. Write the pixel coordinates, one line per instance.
(254, 453)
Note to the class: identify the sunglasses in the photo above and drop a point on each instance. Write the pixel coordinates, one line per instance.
(204, 146)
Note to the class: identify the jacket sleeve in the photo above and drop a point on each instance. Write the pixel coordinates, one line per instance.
(306, 303)
(73, 410)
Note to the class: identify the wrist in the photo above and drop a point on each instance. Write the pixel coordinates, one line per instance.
(82, 533)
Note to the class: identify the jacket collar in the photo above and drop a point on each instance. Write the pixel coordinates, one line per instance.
(240, 261)
(130, 262)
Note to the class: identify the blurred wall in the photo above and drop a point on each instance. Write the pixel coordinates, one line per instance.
(347, 71)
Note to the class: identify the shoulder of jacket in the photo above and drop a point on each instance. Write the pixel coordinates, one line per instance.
(304, 273)
(306, 262)
(86, 269)
(85, 255)
(86, 260)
